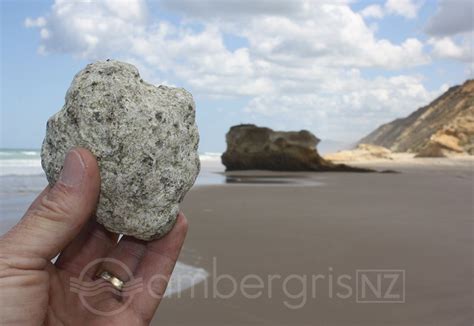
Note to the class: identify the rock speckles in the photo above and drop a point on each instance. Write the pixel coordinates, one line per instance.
(145, 140)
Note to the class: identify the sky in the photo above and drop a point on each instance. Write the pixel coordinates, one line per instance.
(337, 68)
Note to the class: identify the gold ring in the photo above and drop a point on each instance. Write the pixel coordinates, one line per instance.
(112, 279)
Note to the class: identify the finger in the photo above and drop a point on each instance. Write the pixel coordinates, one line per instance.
(59, 213)
(156, 267)
(93, 242)
(124, 258)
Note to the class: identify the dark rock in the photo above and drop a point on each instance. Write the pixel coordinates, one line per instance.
(258, 148)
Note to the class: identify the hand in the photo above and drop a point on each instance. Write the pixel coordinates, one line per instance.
(34, 291)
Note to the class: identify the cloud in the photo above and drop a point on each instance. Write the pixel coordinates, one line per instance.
(446, 48)
(346, 108)
(219, 8)
(90, 29)
(406, 8)
(38, 22)
(300, 58)
(373, 11)
(451, 29)
(326, 35)
(452, 17)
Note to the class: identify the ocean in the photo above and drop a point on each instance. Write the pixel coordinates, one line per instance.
(21, 171)
(22, 179)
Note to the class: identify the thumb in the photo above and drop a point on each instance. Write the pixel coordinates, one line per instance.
(59, 212)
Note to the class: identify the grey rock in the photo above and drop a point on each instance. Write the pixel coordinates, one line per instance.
(145, 140)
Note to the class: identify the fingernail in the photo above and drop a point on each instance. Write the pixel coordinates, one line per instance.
(73, 169)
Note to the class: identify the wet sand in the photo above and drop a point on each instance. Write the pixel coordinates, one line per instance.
(419, 221)
(328, 225)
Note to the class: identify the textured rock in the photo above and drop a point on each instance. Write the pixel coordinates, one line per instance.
(145, 140)
(441, 145)
(451, 113)
(257, 148)
(363, 152)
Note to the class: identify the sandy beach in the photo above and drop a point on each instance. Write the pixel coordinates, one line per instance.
(288, 229)
(418, 221)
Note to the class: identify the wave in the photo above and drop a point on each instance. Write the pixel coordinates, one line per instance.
(20, 167)
(184, 277)
(210, 156)
(20, 162)
(30, 153)
(24, 154)
(24, 163)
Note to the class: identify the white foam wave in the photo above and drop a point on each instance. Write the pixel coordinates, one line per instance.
(184, 277)
(32, 166)
(30, 153)
(210, 156)
(20, 167)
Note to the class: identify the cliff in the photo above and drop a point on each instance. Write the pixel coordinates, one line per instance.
(450, 116)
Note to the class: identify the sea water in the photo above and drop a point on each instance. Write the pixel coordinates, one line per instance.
(22, 179)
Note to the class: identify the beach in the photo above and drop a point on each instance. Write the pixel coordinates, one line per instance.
(418, 221)
(290, 248)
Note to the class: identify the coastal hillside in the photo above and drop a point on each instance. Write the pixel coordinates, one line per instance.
(450, 116)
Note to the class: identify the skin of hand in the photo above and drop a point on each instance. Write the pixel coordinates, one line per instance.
(34, 291)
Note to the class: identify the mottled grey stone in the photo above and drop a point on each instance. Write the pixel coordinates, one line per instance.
(145, 140)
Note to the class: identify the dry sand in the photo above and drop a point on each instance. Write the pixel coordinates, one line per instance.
(419, 221)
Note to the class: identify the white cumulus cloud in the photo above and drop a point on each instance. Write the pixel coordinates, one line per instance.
(406, 8)
(299, 58)
(445, 47)
(375, 11)
(350, 106)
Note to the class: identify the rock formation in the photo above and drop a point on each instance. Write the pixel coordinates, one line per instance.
(451, 114)
(257, 148)
(363, 152)
(441, 145)
(145, 140)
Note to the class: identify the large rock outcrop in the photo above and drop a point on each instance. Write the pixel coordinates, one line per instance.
(258, 148)
(450, 114)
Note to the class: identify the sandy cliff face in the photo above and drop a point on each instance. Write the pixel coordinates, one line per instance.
(363, 152)
(447, 122)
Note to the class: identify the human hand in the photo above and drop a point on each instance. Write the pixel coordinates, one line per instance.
(34, 291)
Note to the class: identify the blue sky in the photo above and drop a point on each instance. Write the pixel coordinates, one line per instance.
(336, 68)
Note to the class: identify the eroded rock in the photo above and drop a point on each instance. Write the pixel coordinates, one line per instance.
(145, 140)
(258, 148)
